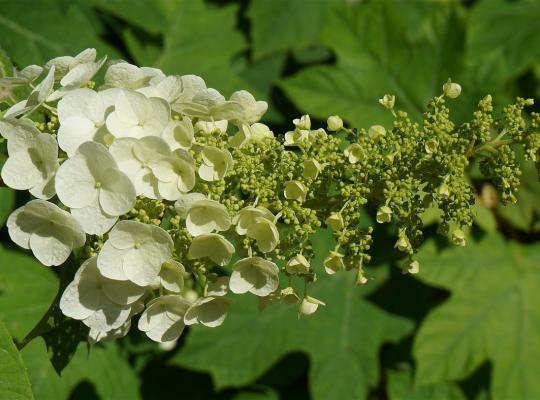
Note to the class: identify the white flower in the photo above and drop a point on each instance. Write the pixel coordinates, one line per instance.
(384, 214)
(311, 169)
(179, 134)
(265, 233)
(163, 319)
(137, 116)
(296, 137)
(81, 114)
(215, 163)
(76, 78)
(214, 246)
(289, 296)
(137, 158)
(129, 76)
(375, 132)
(208, 105)
(210, 127)
(309, 305)
(135, 252)
(413, 267)
(333, 263)
(64, 64)
(51, 233)
(451, 89)
(335, 123)
(355, 153)
(388, 101)
(175, 175)
(251, 110)
(23, 77)
(36, 98)
(247, 217)
(335, 221)
(185, 201)
(91, 184)
(171, 276)
(85, 300)
(206, 216)
(219, 287)
(33, 160)
(255, 133)
(209, 311)
(295, 190)
(168, 88)
(255, 275)
(298, 265)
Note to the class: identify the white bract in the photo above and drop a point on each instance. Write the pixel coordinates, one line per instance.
(32, 161)
(206, 216)
(255, 275)
(163, 319)
(135, 252)
(50, 232)
(295, 190)
(86, 300)
(212, 246)
(137, 116)
(91, 184)
(309, 305)
(81, 114)
(179, 134)
(250, 110)
(171, 276)
(298, 265)
(333, 263)
(209, 311)
(175, 175)
(215, 163)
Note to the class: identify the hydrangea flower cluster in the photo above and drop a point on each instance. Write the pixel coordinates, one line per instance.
(172, 195)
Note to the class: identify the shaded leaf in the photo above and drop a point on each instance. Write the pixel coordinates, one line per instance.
(492, 314)
(14, 383)
(400, 387)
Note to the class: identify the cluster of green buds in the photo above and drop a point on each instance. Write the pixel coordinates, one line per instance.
(177, 196)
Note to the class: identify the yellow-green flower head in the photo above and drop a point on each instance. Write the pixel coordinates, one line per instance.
(375, 132)
(311, 169)
(384, 214)
(388, 101)
(333, 263)
(295, 190)
(335, 123)
(206, 216)
(302, 123)
(335, 221)
(309, 305)
(354, 153)
(255, 275)
(215, 163)
(209, 311)
(451, 89)
(212, 246)
(298, 265)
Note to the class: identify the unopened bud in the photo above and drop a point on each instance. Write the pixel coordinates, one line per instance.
(451, 89)
(335, 123)
(375, 132)
(388, 101)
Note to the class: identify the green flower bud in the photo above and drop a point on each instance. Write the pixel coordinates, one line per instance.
(335, 123)
(431, 146)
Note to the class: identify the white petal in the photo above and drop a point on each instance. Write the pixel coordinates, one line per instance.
(50, 250)
(93, 219)
(117, 194)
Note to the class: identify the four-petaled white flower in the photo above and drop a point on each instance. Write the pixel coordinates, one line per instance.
(213, 246)
(91, 184)
(163, 319)
(137, 116)
(50, 232)
(32, 161)
(175, 175)
(171, 276)
(129, 76)
(209, 311)
(215, 163)
(179, 134)
(81, 114)
(255, 275)
(87, 300)
(251, 110)
(135, 252)
(295, 190)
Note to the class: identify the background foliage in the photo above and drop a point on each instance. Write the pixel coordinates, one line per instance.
(466, 328)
